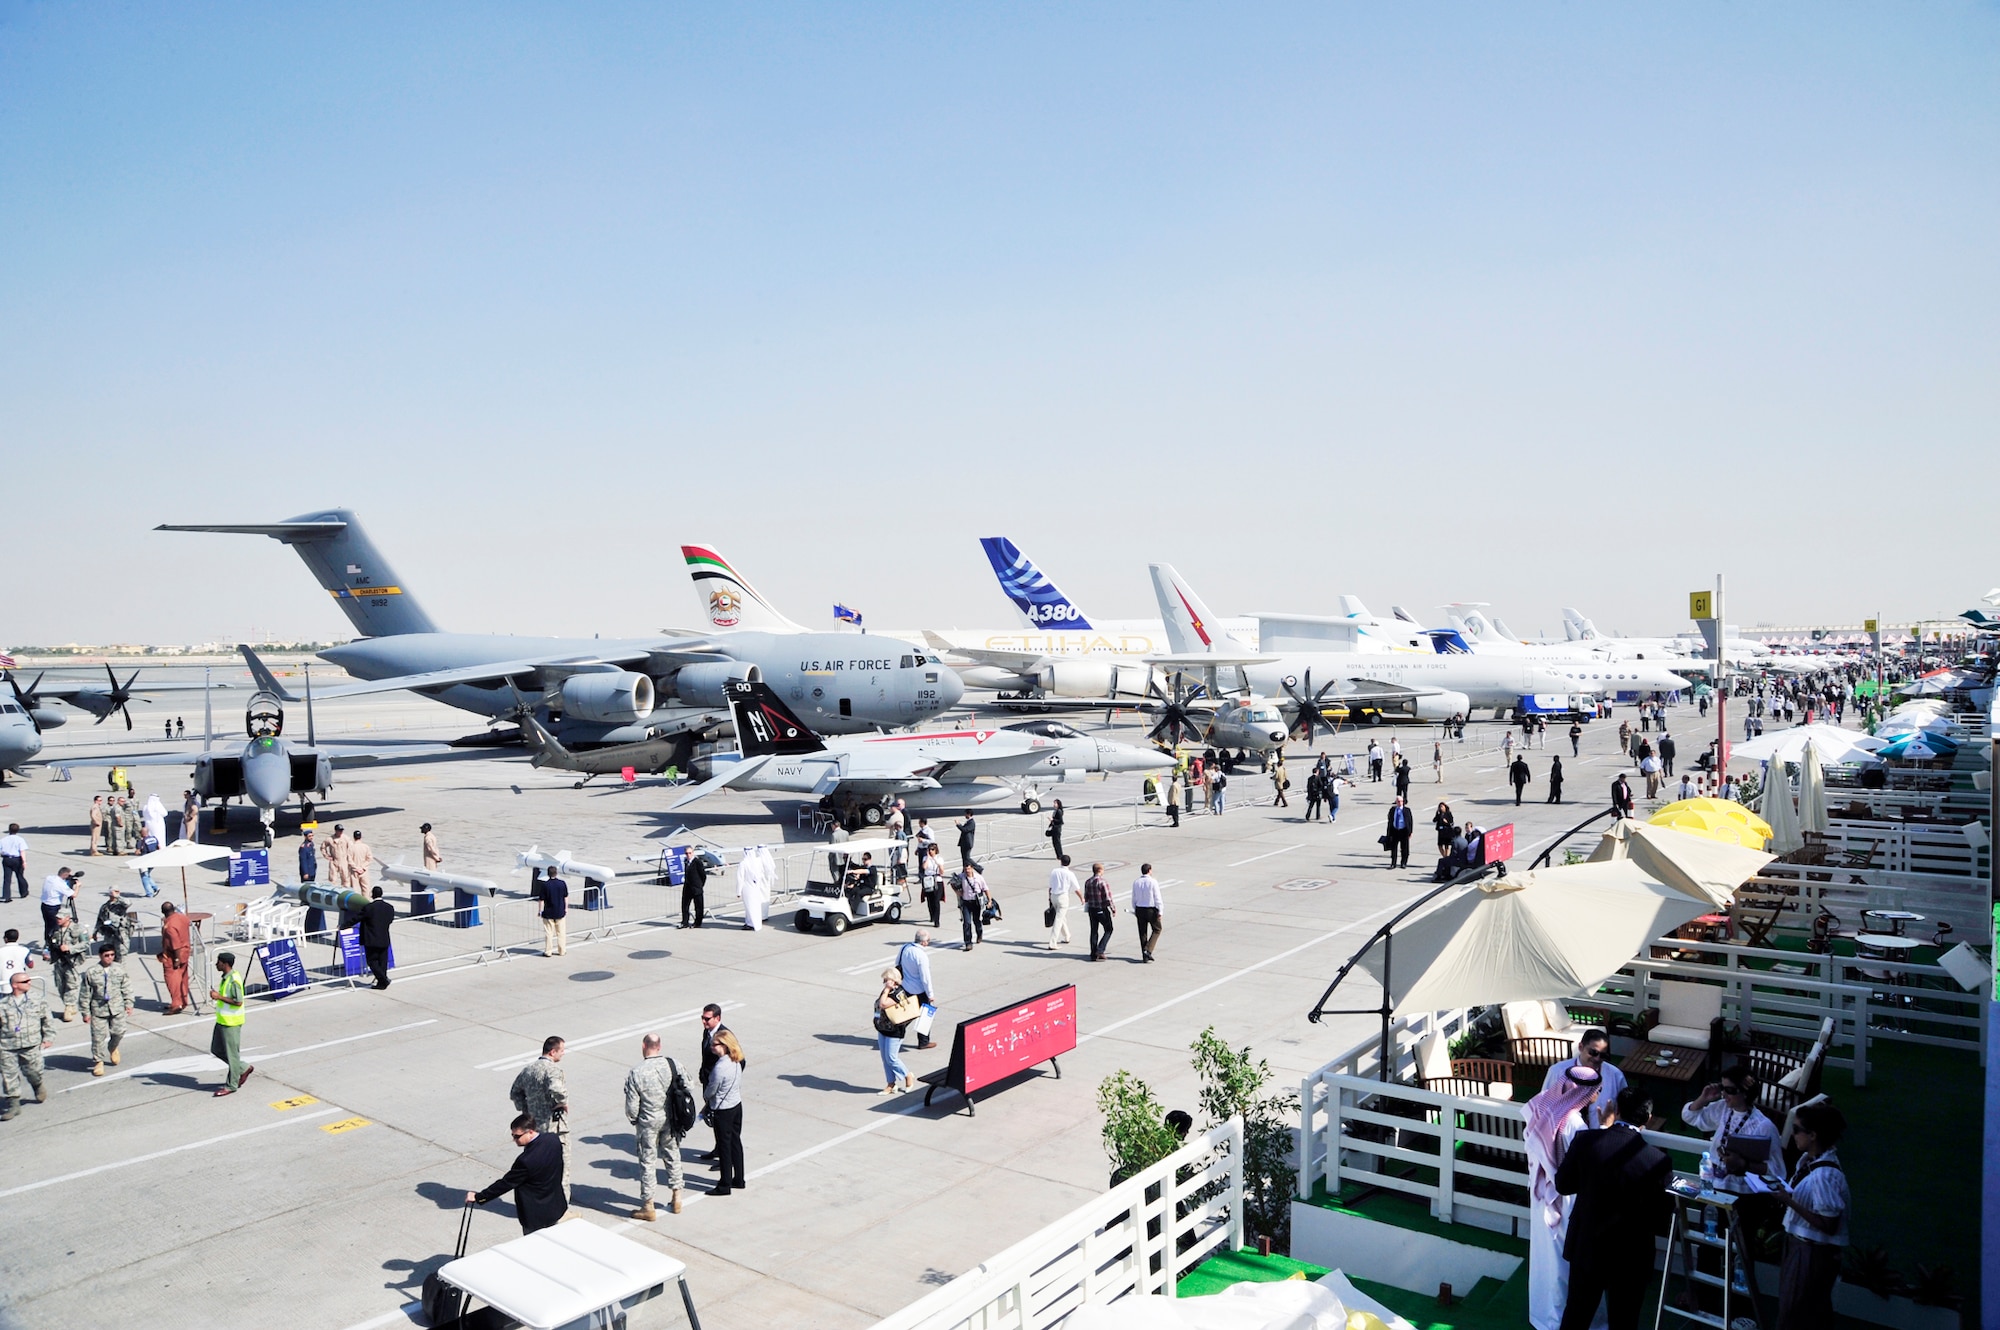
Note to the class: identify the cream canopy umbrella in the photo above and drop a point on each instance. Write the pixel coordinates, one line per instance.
(1834, 743)
(1696, 865)
(182, 854)
(1812, 793)
(1549, 933)
(1776, 807)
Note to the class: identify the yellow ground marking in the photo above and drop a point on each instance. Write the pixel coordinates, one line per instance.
(298, 1101)
(345, 1124)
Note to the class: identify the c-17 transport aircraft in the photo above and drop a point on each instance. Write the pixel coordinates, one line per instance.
(588, 690)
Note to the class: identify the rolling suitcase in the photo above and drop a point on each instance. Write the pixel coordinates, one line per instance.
(442, 1302)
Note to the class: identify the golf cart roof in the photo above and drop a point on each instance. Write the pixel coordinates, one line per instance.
(879, 846)
(560, 1275)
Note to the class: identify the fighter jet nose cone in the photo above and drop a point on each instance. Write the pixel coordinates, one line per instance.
(267, 778)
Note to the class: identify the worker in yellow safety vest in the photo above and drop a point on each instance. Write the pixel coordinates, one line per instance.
(227, 1042)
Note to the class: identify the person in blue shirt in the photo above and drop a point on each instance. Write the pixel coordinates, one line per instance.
(555, 916)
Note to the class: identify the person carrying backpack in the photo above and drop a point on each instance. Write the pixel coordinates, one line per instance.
(661, 1109)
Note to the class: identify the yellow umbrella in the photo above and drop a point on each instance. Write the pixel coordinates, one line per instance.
(1715, 826)
(1728, 808)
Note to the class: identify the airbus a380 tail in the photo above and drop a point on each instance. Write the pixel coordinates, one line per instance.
(1040, 604)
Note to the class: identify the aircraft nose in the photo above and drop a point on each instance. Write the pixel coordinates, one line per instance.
(267, 778)
(1124, 757)
(950, 687)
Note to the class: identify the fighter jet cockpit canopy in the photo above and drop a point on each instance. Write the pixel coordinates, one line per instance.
(264, 718)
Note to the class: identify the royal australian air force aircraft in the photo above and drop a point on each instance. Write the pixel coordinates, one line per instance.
(860, 777)
(1297, 662)
(1058, 651)
(1621, 677)
(591, 691)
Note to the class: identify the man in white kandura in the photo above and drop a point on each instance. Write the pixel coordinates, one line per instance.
(1555, 1116)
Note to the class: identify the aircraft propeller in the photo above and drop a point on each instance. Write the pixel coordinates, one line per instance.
(1176, 712)
(27, 699)
(1309, 718)
(120, 696)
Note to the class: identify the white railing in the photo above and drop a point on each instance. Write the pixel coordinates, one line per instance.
(1964, 903)
(1912, 847)
(1139, 1237)
(1451, 1151)
(1363, 1062)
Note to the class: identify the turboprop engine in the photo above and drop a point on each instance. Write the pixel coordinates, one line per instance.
(611, 698)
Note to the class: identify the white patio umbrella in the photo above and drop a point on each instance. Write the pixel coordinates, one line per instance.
(1778, 810)
(1698, 867)
(1834, 743)
(182, 854)
(1812, 793)
(1547, 933)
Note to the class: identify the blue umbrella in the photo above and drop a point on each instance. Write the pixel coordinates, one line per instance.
(1919, 746)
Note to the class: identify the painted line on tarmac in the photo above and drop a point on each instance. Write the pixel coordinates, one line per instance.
(1255, 857)
(203, 1059)
(407, 1312)
(170, 1150)
(518, 1060)
(1248, 969)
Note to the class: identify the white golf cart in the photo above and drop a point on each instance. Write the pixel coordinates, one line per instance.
(573, 1276)
(854, 893)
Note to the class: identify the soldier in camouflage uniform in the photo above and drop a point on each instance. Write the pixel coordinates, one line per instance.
(539, 1092)
(68, 949)
(25, 1030)
(107, 1001)
(646, 1109)
(130, 824)
(113, 827)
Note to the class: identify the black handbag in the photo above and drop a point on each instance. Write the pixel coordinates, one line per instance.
(446, 1302)
(1049, 917)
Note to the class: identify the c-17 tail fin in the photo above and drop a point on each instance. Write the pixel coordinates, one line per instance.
(728, 600)
(1040, 604)
(344, 560)
(765, 726)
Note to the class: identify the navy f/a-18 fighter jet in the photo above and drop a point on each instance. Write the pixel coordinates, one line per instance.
(589, 691)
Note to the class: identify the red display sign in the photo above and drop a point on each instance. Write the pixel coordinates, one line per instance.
(1000, 1043)
(1499, 843)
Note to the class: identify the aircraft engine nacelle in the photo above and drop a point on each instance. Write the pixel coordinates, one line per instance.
(701, 685)
(610, 698)
(1089, 678)
(1442, 705)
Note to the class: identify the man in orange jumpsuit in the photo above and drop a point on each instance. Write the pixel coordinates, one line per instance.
(174, 946)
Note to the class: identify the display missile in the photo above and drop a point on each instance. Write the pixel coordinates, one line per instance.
(560, 862)
(433, 879)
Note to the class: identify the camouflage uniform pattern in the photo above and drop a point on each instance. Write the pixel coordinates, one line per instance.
(646, 1109)
(107, 992)
(68, 966)
(24, 1027)
(539, 1092)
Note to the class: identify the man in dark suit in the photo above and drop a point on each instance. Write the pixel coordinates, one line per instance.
(536, 1178)
(1620, 1185)
(375, 921)
(711, 1029)
(1401, 824)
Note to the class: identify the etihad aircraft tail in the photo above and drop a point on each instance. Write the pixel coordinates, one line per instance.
(346, 563)
(1040, 604)
(726, 599)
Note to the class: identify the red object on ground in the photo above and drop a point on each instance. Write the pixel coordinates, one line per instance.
(1499, 843)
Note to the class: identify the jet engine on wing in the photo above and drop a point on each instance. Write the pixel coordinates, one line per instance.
(1441, 705)
(611, 698)
(701, 685)
(1088, 678)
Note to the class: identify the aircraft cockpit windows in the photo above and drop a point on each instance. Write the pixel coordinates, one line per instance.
(264, 718)
(1263, 713)
(906, 663)
(1055, 729)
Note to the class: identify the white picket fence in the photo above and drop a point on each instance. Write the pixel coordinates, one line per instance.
(1139, 1237)
(1913, 847)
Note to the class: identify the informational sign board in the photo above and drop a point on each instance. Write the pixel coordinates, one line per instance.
(998, 1044)
(1701, 604)
(250, 868)
(1499, 843)
(353, 960)
(674, 865)
(284, 969)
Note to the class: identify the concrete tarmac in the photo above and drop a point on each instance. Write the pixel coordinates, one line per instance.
(323, 1194)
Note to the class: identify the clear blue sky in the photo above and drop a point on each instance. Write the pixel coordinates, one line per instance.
(1536, 305)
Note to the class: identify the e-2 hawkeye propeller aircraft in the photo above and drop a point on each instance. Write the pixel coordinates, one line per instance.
(25, 716)
(860, 777)
(589, 691)
(269, 770)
